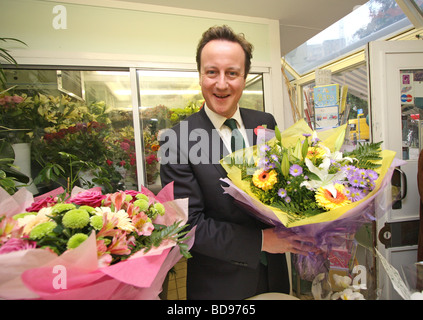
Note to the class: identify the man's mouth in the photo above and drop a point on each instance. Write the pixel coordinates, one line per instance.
(221, 96)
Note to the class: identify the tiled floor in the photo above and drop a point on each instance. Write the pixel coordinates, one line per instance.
(177, 282)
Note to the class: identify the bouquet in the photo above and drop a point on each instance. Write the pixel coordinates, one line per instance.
(300, 182)
(91, 245)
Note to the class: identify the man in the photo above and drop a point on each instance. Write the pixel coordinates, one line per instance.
(234, 255)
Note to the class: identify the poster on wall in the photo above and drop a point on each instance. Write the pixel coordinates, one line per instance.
(326, 106)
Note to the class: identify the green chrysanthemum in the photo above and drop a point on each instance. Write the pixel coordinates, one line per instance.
(42, 230)
(141, 196)
(96, 222)
(159, 208)
(76, 219)
(142, 204)
(76, 240)
(62, 207)
(128, 197)
(89, 209)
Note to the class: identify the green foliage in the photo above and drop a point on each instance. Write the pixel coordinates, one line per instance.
(9, 173)
(68, 179)
(367, 155)
(161, 233)
(5, 55)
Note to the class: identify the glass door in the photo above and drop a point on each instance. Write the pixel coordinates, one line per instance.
(411, 87)
(396, 100)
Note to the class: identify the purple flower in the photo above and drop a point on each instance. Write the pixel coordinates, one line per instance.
(355, 180)
(372, 175)
(350, 170)
(295, 170)
(263, 162)
(287, 199)
(356, 194)
(372, 185)
(282, 193)
(274, 157)
(362, 173)
(362, 183)
(264, 148)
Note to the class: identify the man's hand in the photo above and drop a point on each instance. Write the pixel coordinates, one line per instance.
(286, 241)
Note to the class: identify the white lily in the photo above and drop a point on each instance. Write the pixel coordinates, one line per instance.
(326, 180)
(336, 155)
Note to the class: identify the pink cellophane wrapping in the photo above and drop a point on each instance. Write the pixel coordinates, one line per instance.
(41, 274)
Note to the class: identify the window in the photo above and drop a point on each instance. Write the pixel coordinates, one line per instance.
(375, 20)
(77, 112)
(355, 111)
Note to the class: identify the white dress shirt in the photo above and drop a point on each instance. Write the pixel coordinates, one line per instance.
(224, 131)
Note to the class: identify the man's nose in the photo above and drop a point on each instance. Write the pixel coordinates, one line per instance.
(221, 82)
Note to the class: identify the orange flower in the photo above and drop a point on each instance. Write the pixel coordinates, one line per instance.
(326, 200)
(265, 179)
(155, 147)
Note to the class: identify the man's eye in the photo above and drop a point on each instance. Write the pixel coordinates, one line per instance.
(211, 73)
(232, 74)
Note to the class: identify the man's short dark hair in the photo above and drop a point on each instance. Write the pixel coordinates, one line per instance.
(225, 33)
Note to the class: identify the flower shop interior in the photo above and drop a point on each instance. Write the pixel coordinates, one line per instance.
(88, 85)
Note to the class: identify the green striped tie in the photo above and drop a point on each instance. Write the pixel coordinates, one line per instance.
(237, 141)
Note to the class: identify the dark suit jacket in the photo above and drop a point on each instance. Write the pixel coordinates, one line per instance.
(226, 252)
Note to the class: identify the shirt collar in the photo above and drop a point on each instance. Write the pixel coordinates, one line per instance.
(218, 120)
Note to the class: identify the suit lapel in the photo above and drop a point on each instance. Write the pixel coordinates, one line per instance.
(217, 149)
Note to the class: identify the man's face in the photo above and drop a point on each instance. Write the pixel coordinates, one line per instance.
(222, 76)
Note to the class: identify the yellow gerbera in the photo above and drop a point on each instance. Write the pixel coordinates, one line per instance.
(315, 152)
(327, 200)
(265, 179)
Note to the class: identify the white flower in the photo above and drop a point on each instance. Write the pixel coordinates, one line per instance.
(347, 294)
(336, 155)
(342, 281)
(326, 180)
(30, 221)
(124, 222)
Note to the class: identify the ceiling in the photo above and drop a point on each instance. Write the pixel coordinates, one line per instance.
(299, 20)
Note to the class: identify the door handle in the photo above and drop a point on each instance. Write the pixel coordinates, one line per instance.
(399, 180)
(403, 184)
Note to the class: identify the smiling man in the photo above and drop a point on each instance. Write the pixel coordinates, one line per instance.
(234, 255)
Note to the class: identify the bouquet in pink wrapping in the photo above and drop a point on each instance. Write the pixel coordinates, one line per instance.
(90, 246)
(301, 182)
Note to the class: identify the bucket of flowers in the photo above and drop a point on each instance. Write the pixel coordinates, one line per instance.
(301, 182)
(90, 245)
